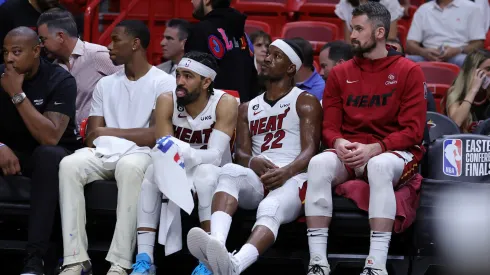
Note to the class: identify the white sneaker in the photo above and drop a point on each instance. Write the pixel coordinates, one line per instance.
(116, 270)
(77, 269)
(371, 268)
(197, 243)
(221, 262)
(318, 266)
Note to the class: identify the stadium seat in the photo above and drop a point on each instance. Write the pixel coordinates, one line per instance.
(164, 8)
(402, 35)
(439, 72)
(253, 26)
(440, 125)
(483, 128)
(317, 66)
(406, 21)
(487, 41)
(274, 12)
(439, 91)
(318, 33)
(317, 9)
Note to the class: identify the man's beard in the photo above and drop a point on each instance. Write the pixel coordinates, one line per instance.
(360, 50)
(188, 98)
(199, 13)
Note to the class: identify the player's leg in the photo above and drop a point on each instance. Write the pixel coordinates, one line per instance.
(75, 172)
(383, 172)
(129, 174)
(205, 181)
(149, 209)
(282, 205)
(235, 184)
(324, 172)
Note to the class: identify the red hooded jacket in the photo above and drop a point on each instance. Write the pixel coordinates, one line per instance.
(382, 100)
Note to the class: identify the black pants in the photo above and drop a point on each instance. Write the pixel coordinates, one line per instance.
(42, 167)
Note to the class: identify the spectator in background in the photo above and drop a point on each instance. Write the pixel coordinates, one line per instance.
(221, 32)
(445, 30)
(17, 13)
(345, 7)
(397, 44)
(307, 79)
(87, 62)
(174, 38)
(37, 106)
(260, 41)
(121, 124)
(468, 100)
(484, 7)
(333, 54)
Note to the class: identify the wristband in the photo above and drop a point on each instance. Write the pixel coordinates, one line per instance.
(250, 161)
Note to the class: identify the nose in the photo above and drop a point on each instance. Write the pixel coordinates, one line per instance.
(322, 71)
(162, 43)
(267, 58)
(111, 46)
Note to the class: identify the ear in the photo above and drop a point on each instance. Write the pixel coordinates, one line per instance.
(291, 69)
(136, 44)
(182, 44)
(37, 51)
(206, 83)
(380, 33)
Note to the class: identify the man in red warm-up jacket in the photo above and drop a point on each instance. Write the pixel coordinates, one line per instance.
(374, 116)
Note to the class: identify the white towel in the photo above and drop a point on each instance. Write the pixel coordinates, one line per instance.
(110, 149)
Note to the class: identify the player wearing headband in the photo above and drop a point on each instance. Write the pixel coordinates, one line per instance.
(278, 133)
(204, 118)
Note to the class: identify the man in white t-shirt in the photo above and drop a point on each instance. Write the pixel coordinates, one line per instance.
(121, 128)
(445, 31)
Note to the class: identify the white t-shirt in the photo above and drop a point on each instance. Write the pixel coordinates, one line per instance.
(455, 26)
(126, 104)
(344, 10)
(484, 7)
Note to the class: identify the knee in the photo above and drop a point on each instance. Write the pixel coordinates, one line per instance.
(130, 165)
(320, 168)
(205, 178)
(69, 164)
(229, 179)
(268, 215)
(379, 166)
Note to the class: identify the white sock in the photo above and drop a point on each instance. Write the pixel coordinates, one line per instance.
(247, 255)
(146, 243)
(220, 225)
(317, 242)
(380, 242)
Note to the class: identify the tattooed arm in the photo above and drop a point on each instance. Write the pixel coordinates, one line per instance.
(47, 129)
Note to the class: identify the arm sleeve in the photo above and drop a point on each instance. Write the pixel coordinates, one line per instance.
(197, 39)
(218, 141)
(97, 100)
(412, 114)
(415, 33)
(332, 111)
(63, 98)
(104, 65)
(476, 25)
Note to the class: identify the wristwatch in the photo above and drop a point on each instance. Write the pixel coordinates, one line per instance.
(18, 98)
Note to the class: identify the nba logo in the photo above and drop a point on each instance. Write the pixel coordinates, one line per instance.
(187, 63)
(452, 160)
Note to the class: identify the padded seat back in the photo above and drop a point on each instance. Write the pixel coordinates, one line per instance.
(440, 125)
(461, 158)
(483, 128)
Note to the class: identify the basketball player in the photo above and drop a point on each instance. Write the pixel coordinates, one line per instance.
(374, 118)
(277, 134)
(203, 117)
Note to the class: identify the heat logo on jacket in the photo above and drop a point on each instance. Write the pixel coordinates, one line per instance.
(362, 101)
(452, 157)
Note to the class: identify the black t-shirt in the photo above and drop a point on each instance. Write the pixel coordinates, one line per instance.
(52, 89)
(221, 34)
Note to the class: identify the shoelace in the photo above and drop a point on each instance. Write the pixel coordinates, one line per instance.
(116, 268)
(141, 266)
(317, 269)
(201, 269)
(371, 271)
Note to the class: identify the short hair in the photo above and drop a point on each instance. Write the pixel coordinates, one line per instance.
(25, 32)
(58, 19)
(206, 59)
(217, 4)
(339, 50)
(137, 29)
(259, 34)
(182, 25)
(377, 13)
(307, 51)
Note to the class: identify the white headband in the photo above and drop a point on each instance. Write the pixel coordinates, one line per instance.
(289, 51)
(197, 67)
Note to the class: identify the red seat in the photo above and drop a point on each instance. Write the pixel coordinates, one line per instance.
(439, 72)
(406, 21)
(439, 91)
(317, 9)
(164, 9)
(318, 33)
(253, 26)
(317, 66)
(402, 35)
(487, 41)
(274, 12)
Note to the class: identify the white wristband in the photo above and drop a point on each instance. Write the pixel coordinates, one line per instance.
(250, 161)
